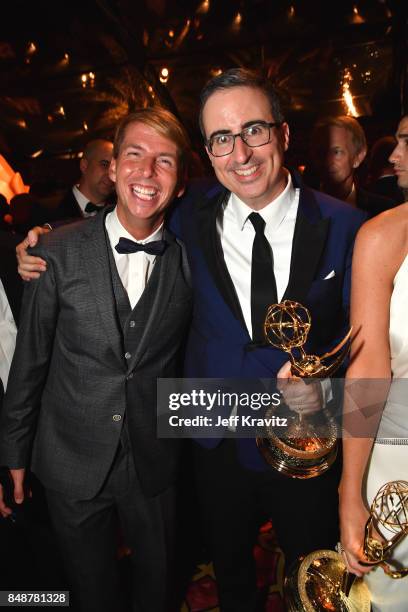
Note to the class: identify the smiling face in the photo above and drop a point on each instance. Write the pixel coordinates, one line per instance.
(399, 157)
(146, 175)
(255, 175)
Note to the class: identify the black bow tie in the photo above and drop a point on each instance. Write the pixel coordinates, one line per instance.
(90, 208)
(126, 246)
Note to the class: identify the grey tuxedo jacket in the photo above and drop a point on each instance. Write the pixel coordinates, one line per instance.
(74, 384)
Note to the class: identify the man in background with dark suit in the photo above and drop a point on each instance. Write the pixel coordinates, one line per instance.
(338, 148)
(97, 329)
(94, 188)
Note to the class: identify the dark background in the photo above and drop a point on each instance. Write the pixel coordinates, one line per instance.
(50, 105)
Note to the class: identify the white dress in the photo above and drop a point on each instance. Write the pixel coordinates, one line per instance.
(389, 459)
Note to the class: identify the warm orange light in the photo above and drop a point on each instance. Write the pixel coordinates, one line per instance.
(11, 182)
(171, 33)
(164, 75)
(347, 95)
(31, 48)
(204, 7)
(238, 19)
(356, 17)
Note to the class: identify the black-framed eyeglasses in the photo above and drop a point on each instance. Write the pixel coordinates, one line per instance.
(255, 135)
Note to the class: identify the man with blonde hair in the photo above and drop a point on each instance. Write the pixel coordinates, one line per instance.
(96, 332)
(338, 148)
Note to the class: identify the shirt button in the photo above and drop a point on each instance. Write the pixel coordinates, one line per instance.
(129, 376)
(132, 324)
(117, 417)
(128, 355)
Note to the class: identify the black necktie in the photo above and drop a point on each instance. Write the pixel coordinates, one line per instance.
(263, 284)
(126, 246)
(90, 208)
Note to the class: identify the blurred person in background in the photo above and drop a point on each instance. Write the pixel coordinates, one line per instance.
(94, 189)
(338, 148)
(382, 177)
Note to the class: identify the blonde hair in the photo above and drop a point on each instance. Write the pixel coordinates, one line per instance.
(165, 124)
(348, 123)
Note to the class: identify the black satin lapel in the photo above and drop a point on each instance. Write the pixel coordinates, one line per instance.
(96, 261)
(210, 243)
(308, 244)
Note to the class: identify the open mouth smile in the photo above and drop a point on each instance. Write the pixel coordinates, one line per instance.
(144, 192)
(246, 171)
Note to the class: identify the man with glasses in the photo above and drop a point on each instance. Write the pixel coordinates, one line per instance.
(256, 238)
(259, 237)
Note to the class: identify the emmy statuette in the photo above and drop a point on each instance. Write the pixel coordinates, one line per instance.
(321, 582)
(309, 446)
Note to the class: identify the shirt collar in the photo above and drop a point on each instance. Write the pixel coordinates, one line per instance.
(116, 230)
(81, 199)
(273, 213)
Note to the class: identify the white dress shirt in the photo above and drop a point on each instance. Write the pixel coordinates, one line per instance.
(8, 332)
(237, 236)
(134, 268)
(83, 201)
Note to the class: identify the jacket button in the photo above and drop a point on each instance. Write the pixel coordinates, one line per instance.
(127, 355)
(132, 324)
(117, 417)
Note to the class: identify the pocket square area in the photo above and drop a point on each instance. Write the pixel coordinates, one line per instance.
(330, 275)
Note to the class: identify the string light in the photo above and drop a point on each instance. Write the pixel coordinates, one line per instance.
(31, 48)
(60, 111)
(164, 75)
(37, 153)
(85, 126)
(291, 12)
(203, 8)
(215, 72)
(356, 17)
(237, 20)
(88, 78)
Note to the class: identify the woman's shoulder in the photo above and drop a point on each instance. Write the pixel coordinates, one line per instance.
(390, 228)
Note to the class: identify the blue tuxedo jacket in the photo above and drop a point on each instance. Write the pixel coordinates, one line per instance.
(219, 344)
